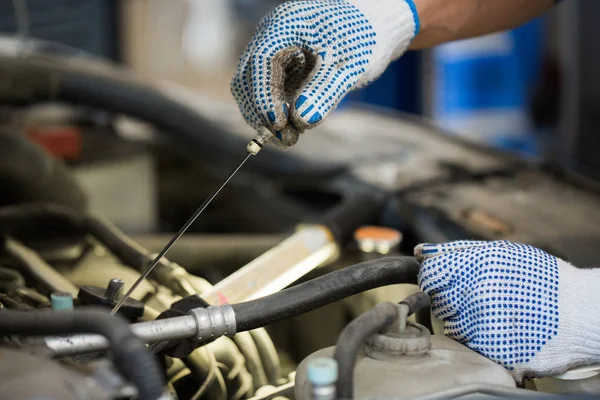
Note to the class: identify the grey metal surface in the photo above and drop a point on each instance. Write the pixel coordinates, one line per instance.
(214, 322)
(148, 332)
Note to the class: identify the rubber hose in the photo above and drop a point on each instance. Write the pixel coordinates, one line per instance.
(416, 302)
(202, 363)
(10, 280)
(247, 347)
(132, 357)
(423, 317)
(28, 174)
(17, 217)
(352, 338)
(35, 79)
(239, 380)
(419, 304)
(32, 265)
(325, 290)
(268, 355)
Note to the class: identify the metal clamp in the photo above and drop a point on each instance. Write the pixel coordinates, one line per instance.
(214, 322)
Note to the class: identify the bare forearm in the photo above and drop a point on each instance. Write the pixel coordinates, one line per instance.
(448, 20)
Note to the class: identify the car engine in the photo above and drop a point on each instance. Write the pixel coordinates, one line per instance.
(312, 297)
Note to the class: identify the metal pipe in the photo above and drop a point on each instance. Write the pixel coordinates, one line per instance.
(149, 332)
(204, 323)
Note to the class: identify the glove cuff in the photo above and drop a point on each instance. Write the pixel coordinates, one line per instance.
(396, 23)
(577, 319)
(579, 312)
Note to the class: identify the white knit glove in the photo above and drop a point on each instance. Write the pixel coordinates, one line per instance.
(307, 55)
(529, 311)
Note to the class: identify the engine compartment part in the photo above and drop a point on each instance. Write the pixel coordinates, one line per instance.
(33, 176)
(426, 181)
(131, 356)
(210, 323)
(307, 249)
(76, 254)
(398, 340)
(402, 361)
(101, 85)
(107, 297)
(352, 338)
(196, 324)
(324, 290)
(27, 376)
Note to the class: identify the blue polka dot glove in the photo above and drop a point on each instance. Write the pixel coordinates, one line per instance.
(307, 55)
(529, 311)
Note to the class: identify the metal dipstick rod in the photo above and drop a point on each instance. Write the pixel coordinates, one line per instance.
(252, 149)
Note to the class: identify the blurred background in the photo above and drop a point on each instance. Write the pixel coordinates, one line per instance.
(501, 89)
(527, 93)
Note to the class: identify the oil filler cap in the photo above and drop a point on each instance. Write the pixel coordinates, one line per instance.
(414, 340)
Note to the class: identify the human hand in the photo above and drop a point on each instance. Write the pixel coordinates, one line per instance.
(531, 312)
(307, 55)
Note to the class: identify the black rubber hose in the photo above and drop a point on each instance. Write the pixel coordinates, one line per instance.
(132, 357)
(324, 290)
(19, 217)
(352, 338)
(416, 302)
(420, 304)
(423, 317)
(35, 79)
(356, 210)
(29, 174)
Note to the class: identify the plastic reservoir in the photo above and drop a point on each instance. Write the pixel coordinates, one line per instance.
(390, 371)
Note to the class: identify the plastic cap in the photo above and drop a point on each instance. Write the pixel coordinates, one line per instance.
(253, 148)
(322, 371)
(61, 301)
(377, 239)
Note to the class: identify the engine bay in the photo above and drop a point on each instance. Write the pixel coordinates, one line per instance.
(255, 301)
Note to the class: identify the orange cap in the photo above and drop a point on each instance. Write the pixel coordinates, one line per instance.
(377, 239)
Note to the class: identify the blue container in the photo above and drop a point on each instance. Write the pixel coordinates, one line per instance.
(398, 88)
(482, 85)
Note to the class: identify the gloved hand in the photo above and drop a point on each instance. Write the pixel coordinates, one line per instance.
(529, 311)
(307, 55)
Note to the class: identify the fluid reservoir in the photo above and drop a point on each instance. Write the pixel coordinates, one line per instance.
(410, 362)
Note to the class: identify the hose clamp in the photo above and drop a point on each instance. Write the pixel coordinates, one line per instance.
(214, 322)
